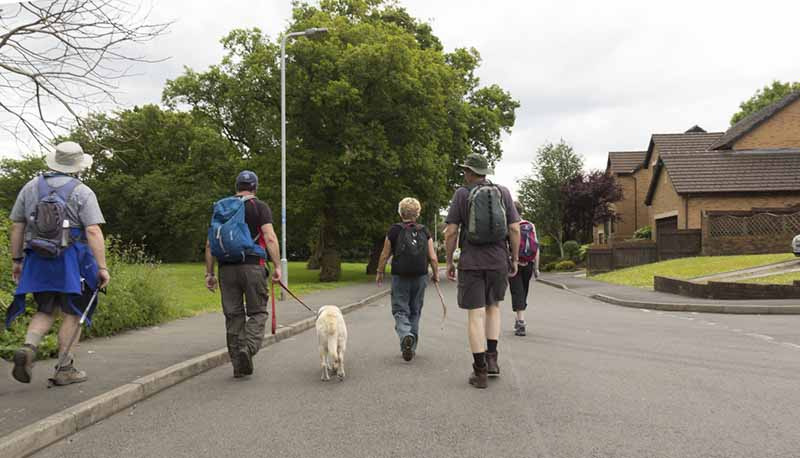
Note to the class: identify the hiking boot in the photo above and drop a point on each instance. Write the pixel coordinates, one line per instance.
(519, 328)
(23, 363)
(245, 363)
(407, 346)
(491, 364)
(68, 375)
(479, 377)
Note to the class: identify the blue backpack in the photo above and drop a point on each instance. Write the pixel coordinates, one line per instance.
(229, 235)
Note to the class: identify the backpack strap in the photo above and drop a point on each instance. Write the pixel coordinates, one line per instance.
(64, 192)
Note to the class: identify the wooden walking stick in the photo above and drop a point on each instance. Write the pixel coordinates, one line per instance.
(441, 298)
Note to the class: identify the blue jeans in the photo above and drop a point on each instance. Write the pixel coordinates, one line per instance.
(408, 294)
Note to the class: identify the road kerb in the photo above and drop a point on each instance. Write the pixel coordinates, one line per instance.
(38, 435)
(744, 309)
(552, 283)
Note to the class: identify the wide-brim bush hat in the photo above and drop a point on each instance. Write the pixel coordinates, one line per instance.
(68, 157)
(477, 164)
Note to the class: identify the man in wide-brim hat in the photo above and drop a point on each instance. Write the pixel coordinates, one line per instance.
(482, 219)
(61, 267)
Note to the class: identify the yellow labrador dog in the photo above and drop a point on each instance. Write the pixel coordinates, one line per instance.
(332, 334)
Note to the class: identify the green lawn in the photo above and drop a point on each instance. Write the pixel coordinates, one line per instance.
(685, 268)
(188, 292)
(780, 279)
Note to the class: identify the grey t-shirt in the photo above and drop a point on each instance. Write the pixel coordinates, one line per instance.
(82, 207)
(493, 256)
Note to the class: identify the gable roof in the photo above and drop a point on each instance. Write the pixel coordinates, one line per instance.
(691, 140)
(749, 123)
(765, 170)
(625, 161)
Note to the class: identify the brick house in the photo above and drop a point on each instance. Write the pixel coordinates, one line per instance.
(634, 171)
(755, 164)
(630, 212)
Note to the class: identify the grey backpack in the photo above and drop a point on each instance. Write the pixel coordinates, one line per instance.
(49, 232)
(486, 220)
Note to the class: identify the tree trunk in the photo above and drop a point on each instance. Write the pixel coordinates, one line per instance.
(374, 257)
(330, 261)
(316, 253)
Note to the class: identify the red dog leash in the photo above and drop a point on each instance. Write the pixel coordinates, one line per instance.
(274, 320)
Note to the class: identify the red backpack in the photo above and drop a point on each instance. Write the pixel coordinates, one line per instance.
(528, 243)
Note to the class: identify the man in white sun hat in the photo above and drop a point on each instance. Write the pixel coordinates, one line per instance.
(58, 255)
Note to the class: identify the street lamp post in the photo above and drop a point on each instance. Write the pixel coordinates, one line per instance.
(284, 256)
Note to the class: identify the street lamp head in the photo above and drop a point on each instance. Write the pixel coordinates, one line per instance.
(315, 30)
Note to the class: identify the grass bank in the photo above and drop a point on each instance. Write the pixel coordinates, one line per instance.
(188, 295)
(686, 268)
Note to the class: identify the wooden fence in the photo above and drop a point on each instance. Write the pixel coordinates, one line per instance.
(749, 232)
(620, 255)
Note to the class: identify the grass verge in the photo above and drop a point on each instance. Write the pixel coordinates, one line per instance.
(189, 297)
(685, 268)
(779, 279)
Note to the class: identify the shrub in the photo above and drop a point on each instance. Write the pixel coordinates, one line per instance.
(582, 252)
(137, 297)
(562, 266)
(549, 267)
(545, 259)
(572, 250)
(645, 233)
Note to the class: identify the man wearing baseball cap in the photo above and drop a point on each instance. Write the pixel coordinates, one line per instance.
(59, 264)
(244, 281)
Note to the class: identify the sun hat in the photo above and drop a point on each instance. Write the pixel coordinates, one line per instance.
(477, 164)
(68, 157)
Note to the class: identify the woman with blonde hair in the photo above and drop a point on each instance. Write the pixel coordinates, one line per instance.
(410, 246)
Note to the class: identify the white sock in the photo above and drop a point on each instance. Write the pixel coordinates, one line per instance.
(33, 338)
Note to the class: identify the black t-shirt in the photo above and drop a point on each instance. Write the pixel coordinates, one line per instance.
(397, 228)
(256, 214)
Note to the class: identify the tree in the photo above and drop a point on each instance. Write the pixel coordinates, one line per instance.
(588, 201)
(157, 174)
(61, 58)
(377, 112)
(541, 193)
(14, 174)
(764, 97)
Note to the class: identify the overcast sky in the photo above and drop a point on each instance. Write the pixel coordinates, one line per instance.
(601, 75)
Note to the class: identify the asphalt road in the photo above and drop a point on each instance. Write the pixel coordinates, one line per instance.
(589, 380)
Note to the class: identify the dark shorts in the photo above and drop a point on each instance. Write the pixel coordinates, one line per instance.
(50, 302)
(481, 288)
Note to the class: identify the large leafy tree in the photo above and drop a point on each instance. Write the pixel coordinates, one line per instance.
(588, 201)
(764, 97)
(156, 174)
(376, 111)
(542, 193)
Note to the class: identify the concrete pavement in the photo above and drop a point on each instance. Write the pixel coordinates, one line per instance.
(115, 361)
(590, 379)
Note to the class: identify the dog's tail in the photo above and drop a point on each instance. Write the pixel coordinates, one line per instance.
(333, 348)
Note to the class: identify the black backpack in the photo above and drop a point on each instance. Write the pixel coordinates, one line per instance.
(411, 251)
(50, 225)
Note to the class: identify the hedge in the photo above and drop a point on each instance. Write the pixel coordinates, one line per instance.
(137, 297)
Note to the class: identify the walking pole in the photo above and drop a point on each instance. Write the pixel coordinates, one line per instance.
(272, 293)
(441, 298)
(65, 353)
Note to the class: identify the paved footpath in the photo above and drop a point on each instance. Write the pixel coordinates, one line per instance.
(590, 380)
(115, 361)
(586, 287)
